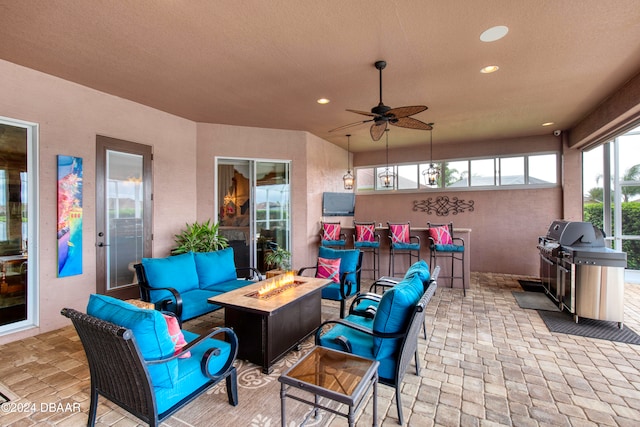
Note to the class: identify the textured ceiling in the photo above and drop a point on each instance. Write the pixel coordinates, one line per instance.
(264, 63)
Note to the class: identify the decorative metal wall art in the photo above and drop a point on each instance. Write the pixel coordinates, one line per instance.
(443, 206)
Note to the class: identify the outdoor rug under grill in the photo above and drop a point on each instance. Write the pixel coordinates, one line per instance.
(531, 285)
(563, 322)
(534, 301)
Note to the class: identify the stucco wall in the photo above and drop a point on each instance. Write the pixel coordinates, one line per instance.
(314, 169)
(505, 223)
(69, 117)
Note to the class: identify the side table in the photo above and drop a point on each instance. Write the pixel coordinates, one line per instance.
(336, 375)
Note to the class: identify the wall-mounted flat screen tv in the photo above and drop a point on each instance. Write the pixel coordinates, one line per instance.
(338, 204)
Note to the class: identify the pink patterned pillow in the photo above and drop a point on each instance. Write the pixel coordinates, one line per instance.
(365, 232)
(399, 233)
(441, 235)
(176, 335)
(329, 269)
(330, 231)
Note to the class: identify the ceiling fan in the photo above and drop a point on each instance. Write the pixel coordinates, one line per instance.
(381, 115)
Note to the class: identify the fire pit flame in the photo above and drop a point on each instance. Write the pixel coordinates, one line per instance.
(276, 286)
(281, 281)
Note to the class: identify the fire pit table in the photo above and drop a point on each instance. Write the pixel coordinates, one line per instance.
(273, 316)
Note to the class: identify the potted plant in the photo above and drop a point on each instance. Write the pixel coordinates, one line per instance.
(199, 237)
(279, 259)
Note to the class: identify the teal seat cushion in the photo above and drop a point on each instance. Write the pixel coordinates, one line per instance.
(449, 248)
(194, 303)
(361, 345)
(393, 315)
(366, 245)
(420, 269)
(215, 267)
(178, 272)
(190, 375)
(340, 242)
(229, 285)
(149, 329)
(407, 246)
(333, 293)
(348, 260)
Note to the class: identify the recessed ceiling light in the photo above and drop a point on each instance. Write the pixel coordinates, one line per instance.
(548, 124)
(494, 33)
(323, 101)
(489, 69)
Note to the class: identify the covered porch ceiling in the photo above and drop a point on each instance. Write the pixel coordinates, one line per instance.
(265, 63)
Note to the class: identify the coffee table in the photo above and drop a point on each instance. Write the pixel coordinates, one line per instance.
(336, 375)
(268, 328)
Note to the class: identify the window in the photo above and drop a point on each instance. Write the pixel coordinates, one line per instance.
(512, 170)
(483, 172)
(543, 169)
(456, 174)
(408, 178)
(611, 193)
(540, 170)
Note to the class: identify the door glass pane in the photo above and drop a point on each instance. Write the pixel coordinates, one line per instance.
(629, 185)
(124, 197)
(13, 224)
(273, 204)
(234, 200)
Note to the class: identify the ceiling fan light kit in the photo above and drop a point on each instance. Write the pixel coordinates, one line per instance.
(383, 115)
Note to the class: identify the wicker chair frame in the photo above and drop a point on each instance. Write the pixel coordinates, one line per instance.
(119, 372)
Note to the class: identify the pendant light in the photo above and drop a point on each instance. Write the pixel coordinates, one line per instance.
(348, 178)
(432, 174)
(387, 176)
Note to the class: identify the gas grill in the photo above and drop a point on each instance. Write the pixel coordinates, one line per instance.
(580, 273)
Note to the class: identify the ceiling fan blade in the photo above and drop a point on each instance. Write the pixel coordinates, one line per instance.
(409, 110)
(377, 130)
(350, 125)
(411, 123)
(364, 113)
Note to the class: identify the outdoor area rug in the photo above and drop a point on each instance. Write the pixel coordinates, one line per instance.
(6, 395)
(531, 285)
(563, 322)
(534, 301)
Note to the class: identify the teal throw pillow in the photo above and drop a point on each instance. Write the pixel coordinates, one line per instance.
(215, 267)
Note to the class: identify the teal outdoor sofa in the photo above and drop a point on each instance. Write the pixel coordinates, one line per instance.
(140, 360)
(183, 283)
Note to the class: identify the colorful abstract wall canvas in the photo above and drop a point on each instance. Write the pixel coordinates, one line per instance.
(69, 216)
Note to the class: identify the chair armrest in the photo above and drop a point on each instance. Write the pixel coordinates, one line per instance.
(365, 296)
(145, 293)
(458, 239)
(302, 270)
(208, 354)
(417, 238)
(255, 274)
(384, 283)
(358, 328)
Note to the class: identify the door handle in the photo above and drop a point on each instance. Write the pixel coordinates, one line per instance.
(101, 245)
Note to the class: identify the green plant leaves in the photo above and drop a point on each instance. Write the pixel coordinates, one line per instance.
(199, 237)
